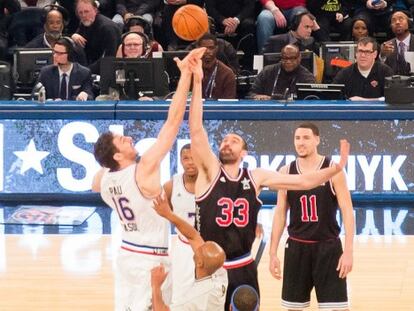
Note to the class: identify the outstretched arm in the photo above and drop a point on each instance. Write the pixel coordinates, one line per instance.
(201, 151)
(277, 181)
(148, 173)
(162, 207)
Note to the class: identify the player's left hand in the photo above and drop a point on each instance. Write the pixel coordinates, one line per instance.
(158, 276)
(345, 264)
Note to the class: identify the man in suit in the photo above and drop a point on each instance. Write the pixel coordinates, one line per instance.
(392, 51)
(300, 34)
(66, 80)
(54, 25)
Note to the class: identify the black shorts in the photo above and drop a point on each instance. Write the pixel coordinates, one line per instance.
(241, 276)
(308, 265)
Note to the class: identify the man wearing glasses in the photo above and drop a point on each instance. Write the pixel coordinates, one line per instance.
(65, 79)
(365, 79)
(278, 81)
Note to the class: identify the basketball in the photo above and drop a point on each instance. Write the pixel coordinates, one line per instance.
(190, 22)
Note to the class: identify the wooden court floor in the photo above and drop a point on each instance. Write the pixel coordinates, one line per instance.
(74, 272)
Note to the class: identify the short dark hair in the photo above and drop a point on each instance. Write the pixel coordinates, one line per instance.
(311, 126)
(245, 298)
(207, 36)
(185, 147)
(365, 40)
(104, 150)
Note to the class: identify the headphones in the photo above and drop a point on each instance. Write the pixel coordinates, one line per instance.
(70, 47)
(137, 20)
(56, 7)
(297, 18)
(146, 48)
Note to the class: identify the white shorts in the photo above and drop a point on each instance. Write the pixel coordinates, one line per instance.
(182, 268)
(133, 280)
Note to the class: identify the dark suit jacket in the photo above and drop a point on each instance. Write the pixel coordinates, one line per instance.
(392, 59)
(38, 42)
(79, 80)
(275, 43)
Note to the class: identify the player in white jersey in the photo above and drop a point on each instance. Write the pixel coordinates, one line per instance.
(129, 187)
(180, 193)
(209, 286)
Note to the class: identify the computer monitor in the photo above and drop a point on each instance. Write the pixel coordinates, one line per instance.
(307, 60)
(336, 52)
(313, 91)
(133, 77)
(171, 68)
(28, 62)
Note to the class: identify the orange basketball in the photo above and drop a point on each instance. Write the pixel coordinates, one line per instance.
(190, 22)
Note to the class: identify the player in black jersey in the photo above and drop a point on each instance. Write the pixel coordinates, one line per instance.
(227, 196)
(313, 251)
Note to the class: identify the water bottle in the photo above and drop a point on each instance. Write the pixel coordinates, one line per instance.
(42, 95)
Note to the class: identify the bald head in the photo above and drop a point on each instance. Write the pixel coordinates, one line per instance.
(290, 57)
(54, 21)
(209, 257)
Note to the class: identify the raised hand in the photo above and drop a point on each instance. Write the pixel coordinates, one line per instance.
(190, 60)
(161, 206)
(344, 152)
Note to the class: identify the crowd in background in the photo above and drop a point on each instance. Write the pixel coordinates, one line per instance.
(239, 29)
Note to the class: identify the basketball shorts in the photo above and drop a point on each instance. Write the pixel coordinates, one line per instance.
(182, 268)
(133, 280)
(308, 265)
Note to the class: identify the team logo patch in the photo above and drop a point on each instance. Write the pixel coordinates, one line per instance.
(246, 183)
(374, 83)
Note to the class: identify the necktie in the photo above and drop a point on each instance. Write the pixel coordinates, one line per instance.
(401, 49)
(63, 93)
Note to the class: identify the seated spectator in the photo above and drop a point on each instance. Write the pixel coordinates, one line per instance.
(392, 52)
(54, 24)
(127, 8)
(365, 79)
(138, 24)
(65, 79)
(360, 28)
(299, 34)
(7, 9)
(137, 45)
(235, 19)
(376, 13)
(35, 3)
(245, 298)
(97, 34)
(219, 80)
(331, 15)
(276, 14)
(278, 81)
(170, 7)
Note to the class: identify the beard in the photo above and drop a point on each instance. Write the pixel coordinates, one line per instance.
(54, 35)
(227, 158)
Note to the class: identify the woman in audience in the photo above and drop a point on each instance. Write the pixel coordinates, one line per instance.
(360, 28)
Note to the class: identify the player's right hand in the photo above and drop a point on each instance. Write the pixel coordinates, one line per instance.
(344, 151)
(162, 206)
(274, 267)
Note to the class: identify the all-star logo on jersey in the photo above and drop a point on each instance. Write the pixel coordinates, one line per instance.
(222, 179)
(246, 183)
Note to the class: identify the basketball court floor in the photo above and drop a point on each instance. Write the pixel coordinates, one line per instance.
(70, 267)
